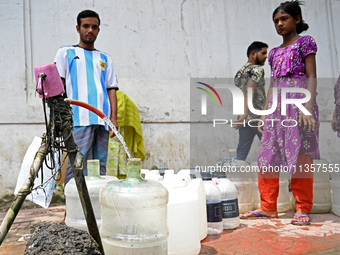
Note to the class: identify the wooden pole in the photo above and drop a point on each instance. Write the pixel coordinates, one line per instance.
(76, 161)
(23, 192)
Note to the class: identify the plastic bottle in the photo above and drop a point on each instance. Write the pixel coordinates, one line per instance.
(214, 205)
(74, 211)
(242, 181)
(197, 184)
(134, 215)
(183, 219)
(230, 212)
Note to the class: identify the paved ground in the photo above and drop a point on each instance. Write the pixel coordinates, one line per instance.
(278, 236)
(25, 223)
(259, 236)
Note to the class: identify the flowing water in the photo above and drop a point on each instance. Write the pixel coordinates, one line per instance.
(119, 136)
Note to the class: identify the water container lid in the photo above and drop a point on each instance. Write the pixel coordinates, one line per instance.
(206, 176)
(220, 174)
(162, 170)
(192, 176)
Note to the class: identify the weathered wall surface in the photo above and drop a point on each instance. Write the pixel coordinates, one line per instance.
(156, 46)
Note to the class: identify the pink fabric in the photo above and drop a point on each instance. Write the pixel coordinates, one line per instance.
(280, 146)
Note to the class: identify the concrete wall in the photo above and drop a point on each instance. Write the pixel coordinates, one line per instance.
(156, 46)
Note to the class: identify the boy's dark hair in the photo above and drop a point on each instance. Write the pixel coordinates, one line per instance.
(293, 9)
(87, 14)
(256, 46)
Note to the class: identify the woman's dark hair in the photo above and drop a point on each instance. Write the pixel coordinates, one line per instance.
(87, 14)
(294, 10)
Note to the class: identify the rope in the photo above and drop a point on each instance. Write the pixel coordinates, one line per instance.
(60, 120)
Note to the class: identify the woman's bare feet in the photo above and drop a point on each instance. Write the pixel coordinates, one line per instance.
(251, 214)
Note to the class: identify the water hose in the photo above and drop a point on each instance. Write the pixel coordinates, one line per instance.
(86, 106)
(103, 117)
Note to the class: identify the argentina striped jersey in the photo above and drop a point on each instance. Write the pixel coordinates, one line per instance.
(88, 74)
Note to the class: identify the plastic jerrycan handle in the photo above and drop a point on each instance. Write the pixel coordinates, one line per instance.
(184, 172)
(144, 172)
(153, 175)
(179, 181)
(189, 172)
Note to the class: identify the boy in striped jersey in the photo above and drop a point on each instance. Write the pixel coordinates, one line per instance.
(89, 76)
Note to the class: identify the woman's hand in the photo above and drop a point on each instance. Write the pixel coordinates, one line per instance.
(260, 126)
(308, 121)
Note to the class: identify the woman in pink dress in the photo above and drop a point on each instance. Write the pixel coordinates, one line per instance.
(290, 142)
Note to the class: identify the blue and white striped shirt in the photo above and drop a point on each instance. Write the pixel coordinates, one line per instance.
(88, 74)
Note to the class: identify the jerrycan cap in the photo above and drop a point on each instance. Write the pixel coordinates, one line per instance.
(206, 176)
(220, 174)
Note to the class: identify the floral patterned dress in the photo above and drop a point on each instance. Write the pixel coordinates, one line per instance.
(280, 144)
(337, 105)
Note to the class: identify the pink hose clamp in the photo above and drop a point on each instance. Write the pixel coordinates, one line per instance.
(51, 80)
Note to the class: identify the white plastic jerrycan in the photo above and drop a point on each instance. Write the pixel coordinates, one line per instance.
(183, 215)
(197, 184)
(153, 175)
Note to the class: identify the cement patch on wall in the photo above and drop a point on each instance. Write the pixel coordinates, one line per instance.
(166, 145)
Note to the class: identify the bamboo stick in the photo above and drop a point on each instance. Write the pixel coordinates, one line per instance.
(76, 161)
(23, 192)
